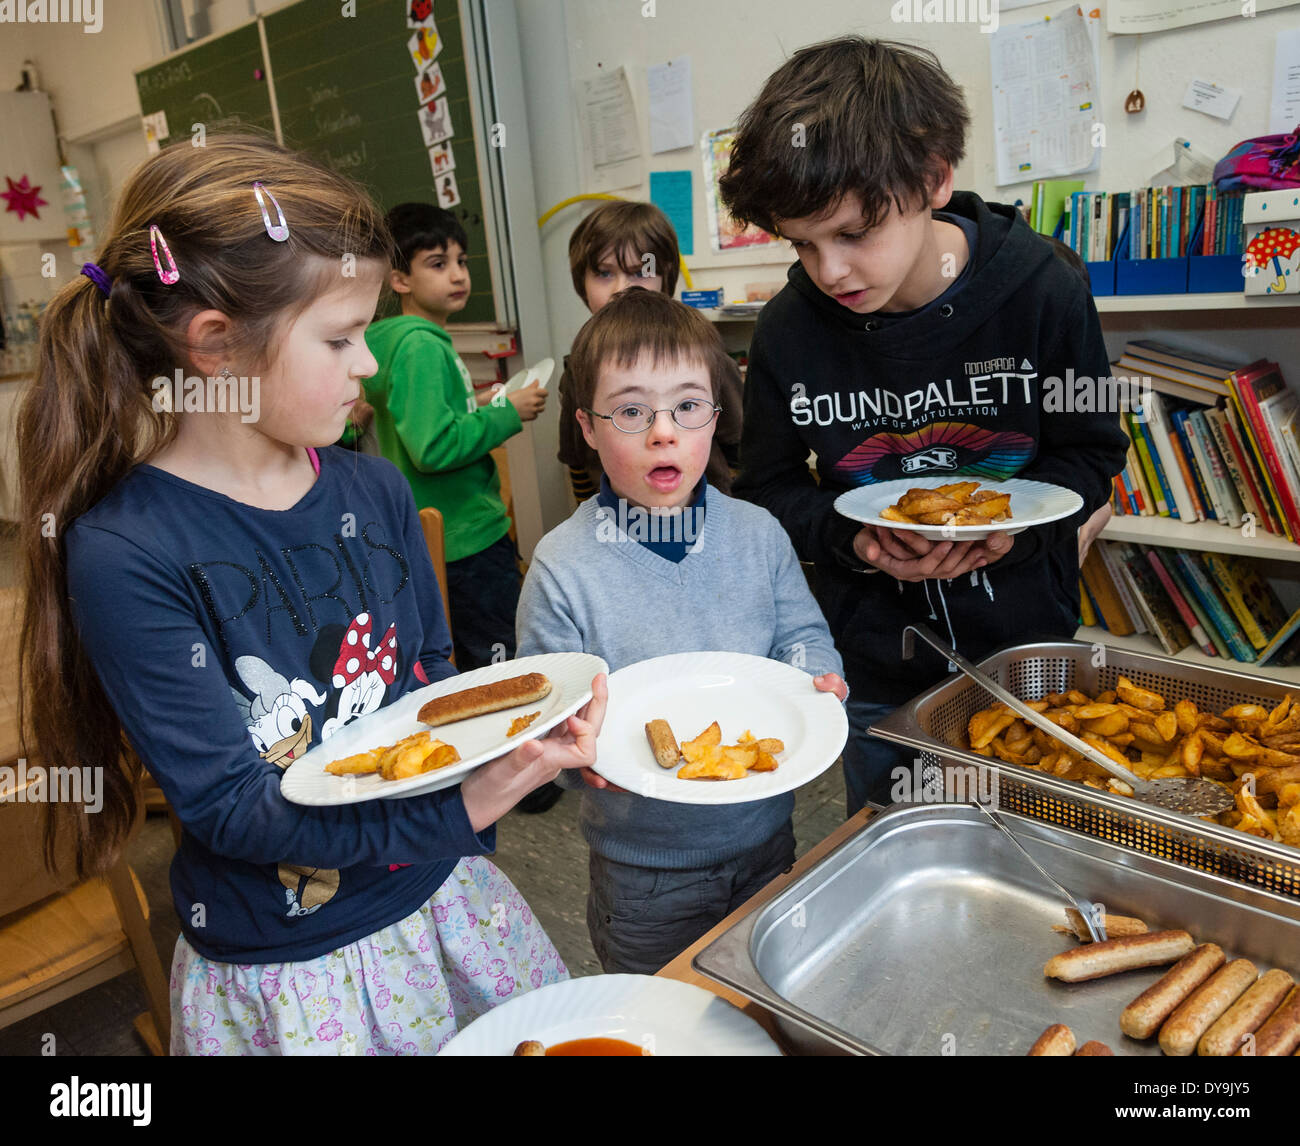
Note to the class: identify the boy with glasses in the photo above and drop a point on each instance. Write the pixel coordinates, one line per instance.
(660, 562)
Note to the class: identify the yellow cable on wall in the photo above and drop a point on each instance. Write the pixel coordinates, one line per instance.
(547, 215)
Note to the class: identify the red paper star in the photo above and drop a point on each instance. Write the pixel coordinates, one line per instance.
(23, 198)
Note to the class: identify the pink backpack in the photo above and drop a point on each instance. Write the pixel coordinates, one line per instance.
(1269, 163)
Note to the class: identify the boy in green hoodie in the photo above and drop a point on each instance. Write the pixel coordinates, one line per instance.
(430, 425)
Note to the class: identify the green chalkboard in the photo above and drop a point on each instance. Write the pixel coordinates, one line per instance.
(346, 90)
(220, 83)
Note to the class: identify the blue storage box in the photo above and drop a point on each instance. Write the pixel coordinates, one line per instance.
(1208, 274)
(704, 299)
(1150, 276)
(1102, 277)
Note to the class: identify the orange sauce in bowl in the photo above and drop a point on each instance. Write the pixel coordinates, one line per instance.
(594, 1048)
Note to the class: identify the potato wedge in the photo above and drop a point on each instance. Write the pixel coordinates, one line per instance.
(1142, 698)
(1186, 714)
(711, 737)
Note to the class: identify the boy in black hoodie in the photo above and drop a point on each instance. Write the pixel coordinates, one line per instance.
(922, 333)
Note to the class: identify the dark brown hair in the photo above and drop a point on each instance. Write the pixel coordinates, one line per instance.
(848, 116)
(636, 322)
(625, 227)
(88, 417)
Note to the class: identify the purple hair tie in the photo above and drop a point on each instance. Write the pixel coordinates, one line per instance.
(97, 276)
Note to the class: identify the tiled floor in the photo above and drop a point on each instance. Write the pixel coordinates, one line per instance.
(545, 855)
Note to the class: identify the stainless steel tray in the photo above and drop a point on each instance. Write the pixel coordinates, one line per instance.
(935, 723)
(926, 933)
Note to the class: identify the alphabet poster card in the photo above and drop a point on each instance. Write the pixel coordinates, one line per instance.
(435, 122)
(424, 47)
(429, 84)
(441, 158)
(448, 192)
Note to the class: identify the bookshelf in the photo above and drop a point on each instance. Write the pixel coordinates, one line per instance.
(1131, 304)
(1200, 535)
(1157, 303)
(1145, 643)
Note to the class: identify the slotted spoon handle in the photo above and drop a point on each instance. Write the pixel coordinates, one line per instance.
(1018, 706)
(1192, 797)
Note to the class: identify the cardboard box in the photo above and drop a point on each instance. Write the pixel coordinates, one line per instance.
(1272, 260)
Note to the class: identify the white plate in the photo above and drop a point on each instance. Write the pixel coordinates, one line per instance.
(1032, 503)
(742, 693)
(478, 739)
(663, 1016)
(537, 375)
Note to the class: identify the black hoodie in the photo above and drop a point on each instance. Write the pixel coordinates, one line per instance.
(956, 388)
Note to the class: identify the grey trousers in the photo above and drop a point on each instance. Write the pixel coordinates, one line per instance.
(641, 918)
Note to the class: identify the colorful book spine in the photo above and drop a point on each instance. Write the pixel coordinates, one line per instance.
(1132, 472)
(1230, 513)
(1241, 450)
(1148, 468)
(1112, 558)
(1216, 638)
(1205, 592)
(1269, 653)
(1219, 431)
(1105, 596)
(1165, 493)
(1232, 596)
(1203, 468)
(1190, 619)
(1244, 390)
(1204, 506)
(1163, 621)
(1087, 614)
(1181, 504)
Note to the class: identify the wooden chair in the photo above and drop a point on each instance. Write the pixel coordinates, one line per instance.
(58, 936)
(503, 472)
(434, 538)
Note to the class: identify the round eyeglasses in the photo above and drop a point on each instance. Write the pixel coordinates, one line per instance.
(634, 417)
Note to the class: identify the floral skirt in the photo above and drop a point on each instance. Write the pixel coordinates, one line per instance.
(406, 989)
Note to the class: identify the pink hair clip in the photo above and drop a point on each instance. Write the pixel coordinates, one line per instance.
(278, 231)
(171, 274)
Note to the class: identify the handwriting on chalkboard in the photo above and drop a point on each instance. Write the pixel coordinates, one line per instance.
(320, 95)
(332, 125)
(165, 76)
(347, 160)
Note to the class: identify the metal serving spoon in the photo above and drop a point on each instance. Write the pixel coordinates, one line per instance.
(1093, 917)
(1192, 797)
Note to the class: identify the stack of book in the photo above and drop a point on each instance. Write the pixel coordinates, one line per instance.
(1221, 604)
(1154, 223)
(1211, 441)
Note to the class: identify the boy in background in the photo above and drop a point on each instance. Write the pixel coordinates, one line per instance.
(916, 338)
(619, 245)
(716, 574)
(430, 425)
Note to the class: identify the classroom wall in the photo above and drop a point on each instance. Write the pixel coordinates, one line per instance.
(734, 45)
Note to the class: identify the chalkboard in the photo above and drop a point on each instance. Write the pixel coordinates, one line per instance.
(346, 90)
(215, 83)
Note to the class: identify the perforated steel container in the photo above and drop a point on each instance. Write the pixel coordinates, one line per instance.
(935, 724)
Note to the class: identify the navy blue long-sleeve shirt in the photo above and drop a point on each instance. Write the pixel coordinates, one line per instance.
(232, 639)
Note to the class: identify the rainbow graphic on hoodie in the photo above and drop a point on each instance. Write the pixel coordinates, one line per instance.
(939, 448)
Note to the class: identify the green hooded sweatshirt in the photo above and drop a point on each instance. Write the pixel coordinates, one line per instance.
(431, 427)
